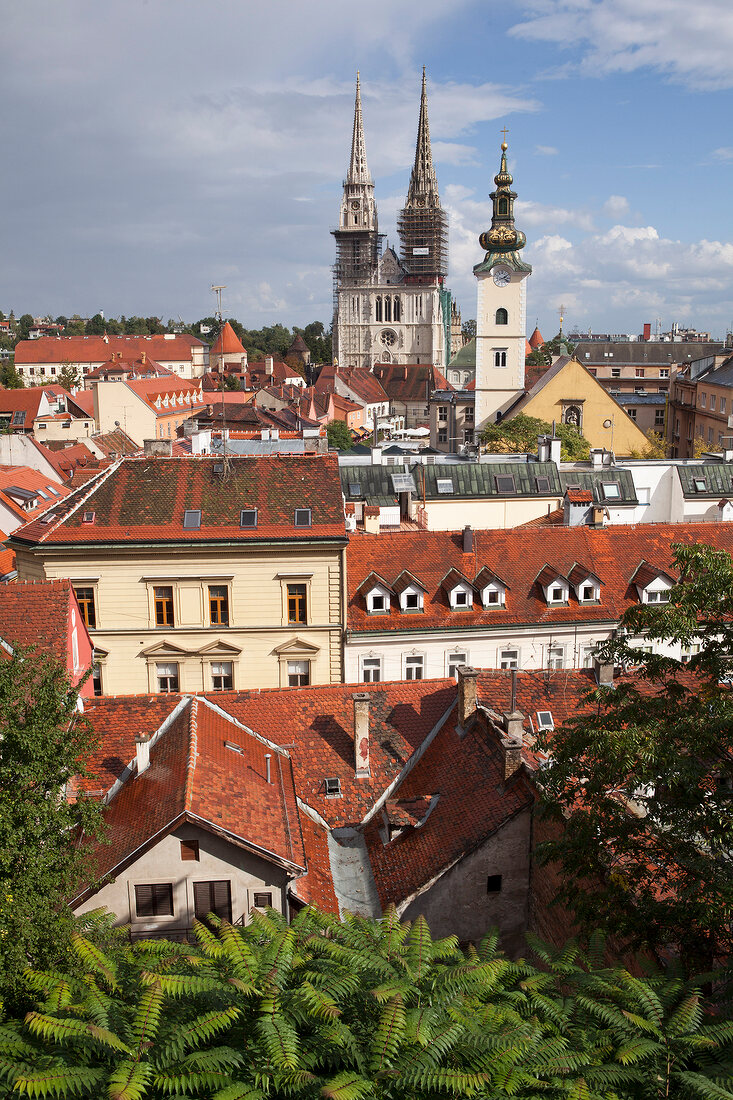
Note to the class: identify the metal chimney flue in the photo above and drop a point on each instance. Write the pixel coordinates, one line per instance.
(142, 752)
(268, 762)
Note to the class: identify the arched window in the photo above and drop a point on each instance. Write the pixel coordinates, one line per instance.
(387, 307)
(397, 315)
(502, 317)
(378, 307)
(502, 206)
(500, 357)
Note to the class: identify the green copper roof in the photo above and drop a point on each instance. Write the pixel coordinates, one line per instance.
(465, 356)
(509, 259)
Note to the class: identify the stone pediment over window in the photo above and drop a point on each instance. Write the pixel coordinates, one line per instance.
(218, 649)
(296, 647)
(165, 649)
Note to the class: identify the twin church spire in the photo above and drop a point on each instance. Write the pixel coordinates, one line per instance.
(422, 224)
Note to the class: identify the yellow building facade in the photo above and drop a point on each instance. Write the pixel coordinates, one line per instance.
(569, 394)
(243, 590)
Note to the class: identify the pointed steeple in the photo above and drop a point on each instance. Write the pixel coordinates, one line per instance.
(503, 237)
(422, 224)
(423, 181)
(358, 168)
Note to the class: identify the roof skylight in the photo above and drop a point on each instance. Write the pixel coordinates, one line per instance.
(192, 519)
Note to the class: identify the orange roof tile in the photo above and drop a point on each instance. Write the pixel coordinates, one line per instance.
(98, 349)
(227, 342)
(37, 613)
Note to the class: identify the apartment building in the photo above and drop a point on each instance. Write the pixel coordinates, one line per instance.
(701, 407)
(202, 573)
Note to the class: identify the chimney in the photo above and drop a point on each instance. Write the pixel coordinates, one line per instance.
(361, 734)
(467, 693)
(142, 752)
(158, 448)
(268, 761)
(647, 331)
(603, 671)
(371, 519)
(269, 367)
(512, 749)
(376, 456)
(467, 539)
(596, 457)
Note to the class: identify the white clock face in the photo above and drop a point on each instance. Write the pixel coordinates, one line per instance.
(502, 277)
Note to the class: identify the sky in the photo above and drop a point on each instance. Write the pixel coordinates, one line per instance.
(152, 148)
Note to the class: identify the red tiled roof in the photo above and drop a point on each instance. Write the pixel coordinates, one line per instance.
(227, 342)
(612, 554)
(536, 339)
(131, 365)
(116, 443)
(36, 613)
(410, 382)
(194, 776)
(467, 774)
(150, 389)
(579, 496)
(98, 349)
(29, 480)
(85, 400)
(364, 384)
(144, 499)
(27, 400)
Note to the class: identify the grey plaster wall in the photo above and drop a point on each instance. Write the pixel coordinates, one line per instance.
(218, 859)
(459, 903)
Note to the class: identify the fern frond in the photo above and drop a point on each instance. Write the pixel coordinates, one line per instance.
(94, 959)
(238, 954)
(56, 1081)
(129, 1080)
(61, 1030)
(207, 941)
(419, 948)
(205, 1026)
(703, 1087)
(147, 1017)
(239, 1092)
(447, 1080)
(389, 1033)
(346, 1086)
(178, 985)
(686, 1017)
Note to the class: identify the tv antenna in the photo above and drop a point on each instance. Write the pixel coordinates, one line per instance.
(226, 470)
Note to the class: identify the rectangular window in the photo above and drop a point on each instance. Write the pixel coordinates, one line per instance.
(302, 517)
(443, 435)
(155, 900)
(664, 372)
(248, 517)
(659, 419)
(504, 483)
(712, 402)
(412, 601)
(297, 603)
(371, 669)
(163, 605)
(468, 414)
(555, 656)
(710, 435)
(454, 661)
(442, 412)
(587, 655)
(639, 372)
(299, 673)
(167, 676)
(222, 675)
(85, 598)
(332, 787)
(261, 900)
(212, 897)
(192, 519)
(218, 605)
(632, 413)
(587, 593)
(703, 400)
(468, 435)
(500, 357)
(190, 850)
(615, 372)
(97, 679)
(509, 658)
(414, 667)
(493, 884)
(557, 594)
(722, 404)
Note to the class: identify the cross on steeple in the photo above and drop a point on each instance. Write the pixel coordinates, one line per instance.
(504, 133)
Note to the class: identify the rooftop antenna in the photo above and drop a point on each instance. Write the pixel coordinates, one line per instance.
(218, 314)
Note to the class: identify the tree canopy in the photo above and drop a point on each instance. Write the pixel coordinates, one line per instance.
(644, 780)
(519, 435)
(45, 743)
(339, 436)
(344, 1011)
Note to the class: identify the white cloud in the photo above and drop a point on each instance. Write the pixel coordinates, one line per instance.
(616, 206)
(690, 43)
(538, 214)
(546, 150)
(725, 152)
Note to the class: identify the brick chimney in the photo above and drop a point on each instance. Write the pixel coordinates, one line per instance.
(512, 750)
(603, 671)
(467, 693)
(361, 734)
(467, 539)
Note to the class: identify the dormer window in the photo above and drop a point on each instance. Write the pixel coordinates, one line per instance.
(333, 787)
(556, 594)
(587, 593)
(611, 490)
(378, 601)
(460, 598)
(411, 600)
(701, 485)
(302, 517)
(656, 596)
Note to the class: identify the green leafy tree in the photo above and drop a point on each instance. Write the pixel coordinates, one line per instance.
(9, 377)
(45, 743)
(339, 436)
(25, 324)
(69, 375)
(468, 329)
(643, 779)
(96, 325)
(231, 382)
(75, 326)
(519, 435)
(320, 1008)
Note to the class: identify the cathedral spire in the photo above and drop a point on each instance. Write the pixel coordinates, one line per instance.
(358, 168)
(423, 181)
(422, 224)
(503, 237)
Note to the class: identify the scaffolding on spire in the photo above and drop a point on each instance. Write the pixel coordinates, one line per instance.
(422, 224)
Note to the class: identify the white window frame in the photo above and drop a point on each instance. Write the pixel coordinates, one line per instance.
(413, 661)
(555, 656)
(466, 591)
(496, 589)
(411, 590)
(562, 587)
(451, 663)
(500, 357)
(376, 666)
(291, 670)
(506, 661)
(378, 591)
(222, 675)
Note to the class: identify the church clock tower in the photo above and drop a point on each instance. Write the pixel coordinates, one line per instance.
(501, 309)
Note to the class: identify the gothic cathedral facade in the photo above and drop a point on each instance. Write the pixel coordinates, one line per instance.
(501, 309)
(390, 308)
